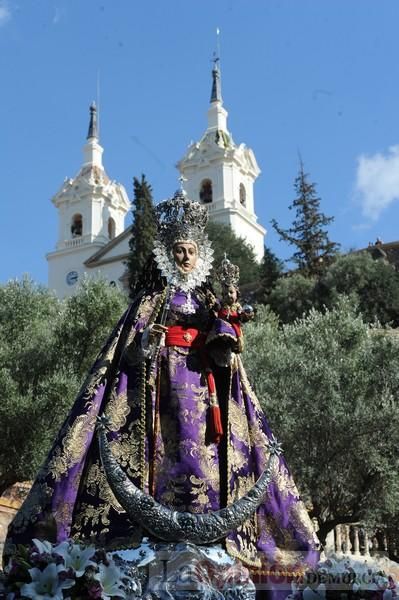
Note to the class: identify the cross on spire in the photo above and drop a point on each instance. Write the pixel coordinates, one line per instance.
(181, 181)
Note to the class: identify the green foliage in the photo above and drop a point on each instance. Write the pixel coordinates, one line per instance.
(46, 347)
(292, 297)
(329, 385)
(314, 248)
(270, 271)
(373, 283)
(224, 240)
(87, 320)
(143, 230)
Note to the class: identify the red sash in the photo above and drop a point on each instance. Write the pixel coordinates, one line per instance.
(184, 336)
(187, 337)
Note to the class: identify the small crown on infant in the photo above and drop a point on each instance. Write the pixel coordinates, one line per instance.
(228, 273)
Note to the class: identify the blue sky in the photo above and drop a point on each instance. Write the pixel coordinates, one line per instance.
(314, 77)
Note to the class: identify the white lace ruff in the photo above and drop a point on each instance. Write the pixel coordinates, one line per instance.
(185, 282)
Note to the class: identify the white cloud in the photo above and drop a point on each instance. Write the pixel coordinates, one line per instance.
(377, 181)
(5, 13)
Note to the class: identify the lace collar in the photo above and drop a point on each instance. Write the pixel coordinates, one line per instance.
(185, 282)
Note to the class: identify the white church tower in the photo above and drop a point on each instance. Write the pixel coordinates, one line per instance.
(221, 174)
(91, 213)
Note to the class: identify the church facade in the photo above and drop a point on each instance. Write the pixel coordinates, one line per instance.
(92, 237)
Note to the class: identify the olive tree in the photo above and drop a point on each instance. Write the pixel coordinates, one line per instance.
(45, 347)
(329, 384)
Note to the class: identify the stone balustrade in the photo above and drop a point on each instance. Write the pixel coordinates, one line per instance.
(354, 539)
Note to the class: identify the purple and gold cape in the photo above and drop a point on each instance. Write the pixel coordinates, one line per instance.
(159, 431)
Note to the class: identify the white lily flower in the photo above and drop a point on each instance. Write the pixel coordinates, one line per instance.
(332, 566)
(382, 582)
(372, 586)
(75, 557)
(329, 562)
(43, 547)
(45, 584)
(110, 579)
(364, 576)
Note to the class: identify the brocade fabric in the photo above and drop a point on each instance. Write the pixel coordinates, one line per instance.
(159, 431)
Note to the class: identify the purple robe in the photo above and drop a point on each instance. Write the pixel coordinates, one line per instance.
(159, 422)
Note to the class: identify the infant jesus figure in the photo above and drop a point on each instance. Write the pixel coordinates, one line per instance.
(230, 310)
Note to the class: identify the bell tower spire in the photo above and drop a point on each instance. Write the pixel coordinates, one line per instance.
(93, 132)
(92, 151)
(221, 174)
(216, 94)
(217, 114)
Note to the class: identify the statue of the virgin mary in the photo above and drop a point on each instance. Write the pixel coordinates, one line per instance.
(183, 422)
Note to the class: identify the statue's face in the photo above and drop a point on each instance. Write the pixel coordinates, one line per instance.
(230, 294)
(185, 255)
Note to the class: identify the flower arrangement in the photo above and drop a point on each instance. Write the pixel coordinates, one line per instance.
(66, 571)
(345, 578)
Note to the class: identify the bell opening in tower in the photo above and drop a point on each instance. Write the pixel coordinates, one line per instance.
(111, 228)
(243, 195)
(206, 193)
(77, 225)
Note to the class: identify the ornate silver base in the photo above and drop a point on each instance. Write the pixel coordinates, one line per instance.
(184, 572)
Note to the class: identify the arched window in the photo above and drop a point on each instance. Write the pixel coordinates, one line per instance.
(206, 191)
(243, 195)
(77, 225)
(111, 228)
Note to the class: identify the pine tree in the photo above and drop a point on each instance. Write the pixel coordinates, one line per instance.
(143, 229)
(315, 251)
(270, 270)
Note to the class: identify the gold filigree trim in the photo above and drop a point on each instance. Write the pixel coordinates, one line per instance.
(232, 550)
(71, 450)
(213, 335)
(117, 410)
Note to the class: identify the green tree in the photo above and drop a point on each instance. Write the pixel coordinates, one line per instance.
(45, 348)
(224, 240)
(27, 315)
(270, 270)
(292, 297)
(143, 230)
(373, 283)
(86, 321)
(308, 234)
(329, 385)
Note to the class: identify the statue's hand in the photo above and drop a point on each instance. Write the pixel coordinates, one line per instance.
(153, 335)
(157, 330)
(247, 313)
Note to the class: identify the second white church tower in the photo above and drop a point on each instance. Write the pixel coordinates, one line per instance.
(91, 215)
(221, 174)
